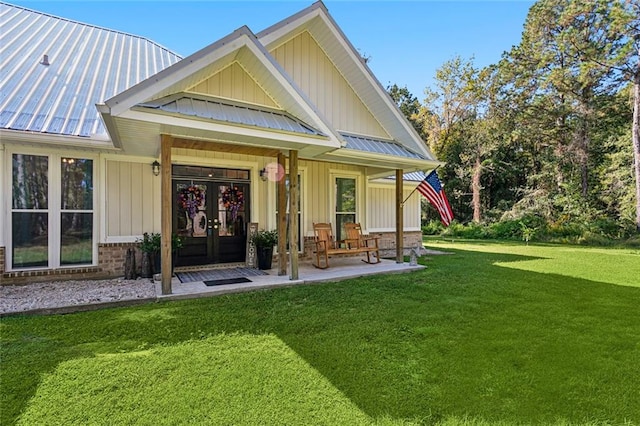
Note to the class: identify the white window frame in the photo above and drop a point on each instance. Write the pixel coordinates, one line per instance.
(360, 194)
(54, 207)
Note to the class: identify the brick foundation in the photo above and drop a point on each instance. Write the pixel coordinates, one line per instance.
(111, 258)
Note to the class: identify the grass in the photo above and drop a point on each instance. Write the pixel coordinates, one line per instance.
(493, 334)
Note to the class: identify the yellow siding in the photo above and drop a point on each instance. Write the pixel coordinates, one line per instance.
(133, 194)
(316, 75)
(234, 82)
(381, 208)
(132, 199)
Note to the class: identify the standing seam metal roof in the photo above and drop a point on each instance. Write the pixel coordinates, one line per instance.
(87, 65)
(378, 146)
(219, 110)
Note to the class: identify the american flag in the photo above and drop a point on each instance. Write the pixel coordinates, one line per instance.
(432, 189)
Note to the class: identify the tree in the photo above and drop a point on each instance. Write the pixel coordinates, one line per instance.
(409, 105)
(560, 98)
(617, 35)
(458, 118)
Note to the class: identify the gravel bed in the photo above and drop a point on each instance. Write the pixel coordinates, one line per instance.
(58, 294)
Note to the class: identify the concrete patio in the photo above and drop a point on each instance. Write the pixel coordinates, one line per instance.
(341, 269)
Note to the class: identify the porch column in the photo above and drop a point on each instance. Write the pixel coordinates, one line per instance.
(165, 212)
(293, 213)
(399, 218)
(282, 218)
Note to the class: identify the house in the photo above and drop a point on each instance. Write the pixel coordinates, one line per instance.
(105, 136)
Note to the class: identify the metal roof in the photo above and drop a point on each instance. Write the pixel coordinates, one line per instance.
(232, 112)
(378, 146)
(417, 176)
(55, 70)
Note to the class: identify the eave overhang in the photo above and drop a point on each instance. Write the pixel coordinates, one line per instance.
(49, 140)
(139, 129)
(379, 165)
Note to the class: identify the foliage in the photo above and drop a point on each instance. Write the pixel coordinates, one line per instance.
(546, 131)
(265, 238)
(491, 334)
(152, 243)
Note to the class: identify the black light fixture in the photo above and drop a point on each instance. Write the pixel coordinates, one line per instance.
(155, 168)
(264, 174)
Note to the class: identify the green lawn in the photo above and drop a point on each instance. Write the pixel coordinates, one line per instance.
(496, 333)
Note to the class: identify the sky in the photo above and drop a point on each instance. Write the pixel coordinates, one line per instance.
(406, 41)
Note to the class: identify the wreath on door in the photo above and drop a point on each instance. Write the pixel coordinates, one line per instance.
(190, 199)
(233, 200)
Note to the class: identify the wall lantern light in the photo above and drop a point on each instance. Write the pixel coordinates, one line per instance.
(155, 168)
(264, 174)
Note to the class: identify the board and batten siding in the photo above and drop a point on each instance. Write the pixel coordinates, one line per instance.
(316, 75)
(381, 208)
(234, 82)
(132, 194)
(132, 199)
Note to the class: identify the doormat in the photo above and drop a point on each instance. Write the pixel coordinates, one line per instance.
(218, 274)
(227, 281)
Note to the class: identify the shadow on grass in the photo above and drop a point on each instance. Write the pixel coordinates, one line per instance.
(463, 339)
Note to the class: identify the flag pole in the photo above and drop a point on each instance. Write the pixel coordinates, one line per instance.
(414, 189)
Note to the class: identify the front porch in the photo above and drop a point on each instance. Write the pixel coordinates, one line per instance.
(341, 269)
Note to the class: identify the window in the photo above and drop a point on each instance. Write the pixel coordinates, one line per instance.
(30, 211)
(345, 204)
(76, 216)
(51, 231)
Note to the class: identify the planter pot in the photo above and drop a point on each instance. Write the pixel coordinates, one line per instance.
(157, 262)
(146, 267)
(265, 257)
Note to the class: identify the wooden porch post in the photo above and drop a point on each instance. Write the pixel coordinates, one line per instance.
(399, 218)
(282, 219)
(165, 212)
(293, 213)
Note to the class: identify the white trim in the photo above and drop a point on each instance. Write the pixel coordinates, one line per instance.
(206, 125)
(361, 211)
(393, 230)
(53, 210)
(21, 137)
(4, 198)
(122, 239)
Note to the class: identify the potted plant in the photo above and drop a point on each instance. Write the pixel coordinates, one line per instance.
(176, 244)
(150, 246)
(264, 242)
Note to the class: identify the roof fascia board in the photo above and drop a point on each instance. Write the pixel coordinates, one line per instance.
(378, 158)
(170, 119)
(21, 137)
(284, 27)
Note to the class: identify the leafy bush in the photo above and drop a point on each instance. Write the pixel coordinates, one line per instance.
(433, 227)
(265, 238)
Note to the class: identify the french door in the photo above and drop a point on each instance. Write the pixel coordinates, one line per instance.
(211, 218)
